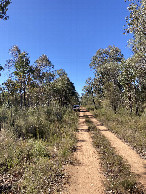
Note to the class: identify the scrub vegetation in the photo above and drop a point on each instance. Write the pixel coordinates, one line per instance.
(37, 125)
(34, 162)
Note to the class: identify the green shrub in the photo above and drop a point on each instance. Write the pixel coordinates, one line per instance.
(31, 161)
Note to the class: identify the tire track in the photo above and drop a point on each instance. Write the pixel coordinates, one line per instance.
(86, 175)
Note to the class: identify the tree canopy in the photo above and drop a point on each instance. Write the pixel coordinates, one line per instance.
(4, 8)
(38, 84)
(121, 82)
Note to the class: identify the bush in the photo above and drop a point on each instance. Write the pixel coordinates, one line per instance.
(33, 163)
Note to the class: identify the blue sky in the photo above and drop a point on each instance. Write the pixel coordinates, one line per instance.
(69, 32)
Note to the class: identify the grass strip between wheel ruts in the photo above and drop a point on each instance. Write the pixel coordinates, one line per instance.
(119, 178)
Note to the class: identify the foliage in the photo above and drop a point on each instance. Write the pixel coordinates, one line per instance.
(4, 8)
(122, 82)
(106, 64)
(31, 165)
(36, 85)
(134, 85)
(37, 125)
(136, 25)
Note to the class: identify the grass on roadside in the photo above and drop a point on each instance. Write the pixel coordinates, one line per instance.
(119, 179)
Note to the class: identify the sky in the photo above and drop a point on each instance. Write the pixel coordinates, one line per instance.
(69, 32)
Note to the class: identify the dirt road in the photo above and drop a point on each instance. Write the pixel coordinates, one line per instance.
(86, 175)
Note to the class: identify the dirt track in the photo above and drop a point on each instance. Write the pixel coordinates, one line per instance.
(86, 175)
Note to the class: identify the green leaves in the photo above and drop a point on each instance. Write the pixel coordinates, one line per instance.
(103, 56)
(43, 61)
(1, 68)
(122, 82)
(136, 24)
(107, 67)
(4, 8)
(39, 84)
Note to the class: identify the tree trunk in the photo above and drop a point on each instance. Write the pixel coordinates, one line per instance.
(130, 101)
(24, 94)
(21, 97)
(93, 98)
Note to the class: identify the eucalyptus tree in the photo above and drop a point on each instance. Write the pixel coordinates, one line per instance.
(20, 67)
(64, 89)
(136, 24)
(106, 64)
(89, 91)
(11, 92)
(4, 8)
(43, 75)
(43, 69)
(133, 86)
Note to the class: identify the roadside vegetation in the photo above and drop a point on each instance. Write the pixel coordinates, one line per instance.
(129, 128)
(35, 164)
(119, 179)
(37, 125)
